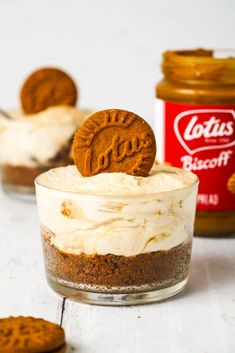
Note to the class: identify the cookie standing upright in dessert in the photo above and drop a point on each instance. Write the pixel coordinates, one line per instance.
(38, 137)
(114, 141)
(114, 233)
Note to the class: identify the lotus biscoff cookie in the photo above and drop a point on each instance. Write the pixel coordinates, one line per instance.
(114, 140)
(47, 87)
(30, 335)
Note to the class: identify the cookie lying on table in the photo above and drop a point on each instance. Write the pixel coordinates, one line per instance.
(30, 335)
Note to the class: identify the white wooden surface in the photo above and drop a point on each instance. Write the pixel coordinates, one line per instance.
(200, 320)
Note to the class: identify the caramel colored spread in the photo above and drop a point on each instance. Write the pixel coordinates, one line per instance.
(202, 79)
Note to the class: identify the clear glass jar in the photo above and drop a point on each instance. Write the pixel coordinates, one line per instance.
(194, 106)
(117, 249)
(32, 144)
(19, 180)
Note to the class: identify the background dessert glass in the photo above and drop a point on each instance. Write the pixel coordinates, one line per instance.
(32, 144)
(116, 249)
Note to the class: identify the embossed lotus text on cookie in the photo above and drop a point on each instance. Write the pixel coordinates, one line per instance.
(114, 141)
(45, 88)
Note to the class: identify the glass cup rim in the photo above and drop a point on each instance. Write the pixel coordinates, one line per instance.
(121, 196)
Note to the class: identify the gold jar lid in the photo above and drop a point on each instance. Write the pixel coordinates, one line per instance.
(200, 66)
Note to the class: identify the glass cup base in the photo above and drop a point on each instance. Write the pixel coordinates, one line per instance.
(25, 193)
(115, 299)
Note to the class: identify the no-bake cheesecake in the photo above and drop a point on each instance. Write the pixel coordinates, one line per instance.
(32, 145)
(113, 232)
(38, 136)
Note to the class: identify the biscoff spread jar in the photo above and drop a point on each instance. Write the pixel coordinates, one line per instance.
(195, 129)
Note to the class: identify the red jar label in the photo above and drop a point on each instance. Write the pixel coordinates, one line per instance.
(200, 139)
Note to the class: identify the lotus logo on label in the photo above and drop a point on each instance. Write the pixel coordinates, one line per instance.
(205, 129)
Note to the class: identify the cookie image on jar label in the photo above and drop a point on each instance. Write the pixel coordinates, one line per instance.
(231, 184)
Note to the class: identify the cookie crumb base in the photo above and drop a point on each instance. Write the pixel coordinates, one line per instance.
(117, 280)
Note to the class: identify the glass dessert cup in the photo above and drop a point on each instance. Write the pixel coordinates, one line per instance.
(117, 249)
(18, 180)
(31, 145)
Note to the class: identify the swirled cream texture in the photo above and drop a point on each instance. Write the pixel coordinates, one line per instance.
(116, 213)
(34, 140)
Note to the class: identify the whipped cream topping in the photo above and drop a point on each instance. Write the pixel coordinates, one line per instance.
(160, 179)
(115, 213)
(32, 140)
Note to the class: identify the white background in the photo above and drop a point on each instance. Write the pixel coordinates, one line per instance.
(112, 48)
